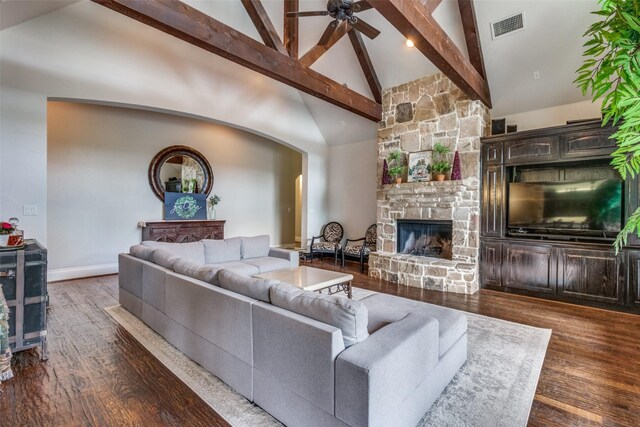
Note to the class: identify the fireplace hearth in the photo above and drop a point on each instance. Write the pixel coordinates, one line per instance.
(424, 238)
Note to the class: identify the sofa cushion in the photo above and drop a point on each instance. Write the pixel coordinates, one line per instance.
(193, 251)
(164, 258)
(237, 267)
(348, 315)
(255, 247)
(266, 264)
(186, 267)
(385, 309)
(209, 274)
(217, 251)
(248, 286)
(142, 252)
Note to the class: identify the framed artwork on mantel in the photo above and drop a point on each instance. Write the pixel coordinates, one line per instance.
(185, 206)
(419, 166)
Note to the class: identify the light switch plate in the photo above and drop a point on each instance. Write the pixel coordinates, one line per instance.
(30, 210)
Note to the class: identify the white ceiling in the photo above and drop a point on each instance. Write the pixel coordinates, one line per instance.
(551, 44)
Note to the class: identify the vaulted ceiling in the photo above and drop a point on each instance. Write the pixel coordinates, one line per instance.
(550, 44)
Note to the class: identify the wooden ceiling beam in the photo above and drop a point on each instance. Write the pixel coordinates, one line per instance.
(263, 24)
(432, 5)
(415, 22)
(318, 50)
(366, 65)
(471, 36)
(291, 28)
(189, 24)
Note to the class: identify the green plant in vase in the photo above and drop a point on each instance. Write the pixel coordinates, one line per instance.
(211, 206)
(611, 72)
(440, 165)
(395, 159)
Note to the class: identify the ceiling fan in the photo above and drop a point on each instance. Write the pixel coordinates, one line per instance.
(340, 11)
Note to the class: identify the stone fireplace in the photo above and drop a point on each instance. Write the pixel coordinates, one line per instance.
(442, 253)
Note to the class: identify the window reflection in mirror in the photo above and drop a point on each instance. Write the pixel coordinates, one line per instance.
(181, 174)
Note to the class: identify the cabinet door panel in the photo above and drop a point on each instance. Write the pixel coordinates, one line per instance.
(633, 265)
(490, 264)
(528, 267)
(492, 153)
(593, 143)
(531, 150)
(590, 274)
(491, 215)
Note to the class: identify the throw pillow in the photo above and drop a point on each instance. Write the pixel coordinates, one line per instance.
(249, 286)
(350, 316)
(164, 258)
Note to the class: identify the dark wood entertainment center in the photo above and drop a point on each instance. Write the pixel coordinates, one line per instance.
(571, 267)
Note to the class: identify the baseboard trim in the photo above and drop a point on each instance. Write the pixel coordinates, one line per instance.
(81, 272)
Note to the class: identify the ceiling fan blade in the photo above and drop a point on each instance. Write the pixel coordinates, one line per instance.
(328, 32)
(365, 29)
(359, 6)
(311, 13)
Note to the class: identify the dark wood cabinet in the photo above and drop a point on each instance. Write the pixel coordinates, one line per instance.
(182, 231)
(491, 263)
(492, 190)
(569, 268)
(531, 150)
(591, 274)
(591, 143)
(527, 266)
(492, 153)
(633, 281)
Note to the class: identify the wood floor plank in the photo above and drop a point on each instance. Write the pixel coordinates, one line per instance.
(98, 374)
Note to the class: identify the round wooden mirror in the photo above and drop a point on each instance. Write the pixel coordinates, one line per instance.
(180, 169)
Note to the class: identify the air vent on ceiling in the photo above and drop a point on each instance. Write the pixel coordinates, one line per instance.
(507, 25)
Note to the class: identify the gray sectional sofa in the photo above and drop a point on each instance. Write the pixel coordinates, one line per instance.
(308, 359)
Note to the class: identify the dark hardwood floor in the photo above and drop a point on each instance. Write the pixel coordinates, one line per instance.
(97, 374)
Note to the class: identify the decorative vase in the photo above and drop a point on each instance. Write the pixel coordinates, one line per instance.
(440, 177)
(399, 180)
(4, 239)
(211, 212)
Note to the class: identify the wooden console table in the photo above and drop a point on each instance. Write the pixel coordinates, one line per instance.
(182, 231)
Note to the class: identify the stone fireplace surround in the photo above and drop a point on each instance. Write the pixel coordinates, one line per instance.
(417, 115)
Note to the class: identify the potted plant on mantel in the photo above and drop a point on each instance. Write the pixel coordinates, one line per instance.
(396, 165)
(440, 165)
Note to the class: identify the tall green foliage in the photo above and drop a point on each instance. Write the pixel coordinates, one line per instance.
(611, 72)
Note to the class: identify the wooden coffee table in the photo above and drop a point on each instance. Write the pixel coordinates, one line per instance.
(313, 279)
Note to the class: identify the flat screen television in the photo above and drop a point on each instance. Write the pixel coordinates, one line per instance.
(582, 208)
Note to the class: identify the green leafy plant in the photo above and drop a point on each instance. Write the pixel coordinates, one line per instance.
(611, 72)
(214, 200)
(396, 163)
(440, 163)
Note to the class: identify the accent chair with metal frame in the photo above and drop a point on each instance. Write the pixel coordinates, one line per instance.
(328, 242)
(361, 251)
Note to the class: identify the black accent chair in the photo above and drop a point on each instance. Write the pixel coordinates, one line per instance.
(361, 251)
(328, 242)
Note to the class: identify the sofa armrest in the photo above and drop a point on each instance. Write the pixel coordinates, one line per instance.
(292, 256)
(375, 376)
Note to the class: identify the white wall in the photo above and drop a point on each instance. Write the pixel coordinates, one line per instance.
(98, 157)
(352, 184)
(554, 116)
(87, 52)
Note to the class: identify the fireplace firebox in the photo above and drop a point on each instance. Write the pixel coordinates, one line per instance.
(424, 238)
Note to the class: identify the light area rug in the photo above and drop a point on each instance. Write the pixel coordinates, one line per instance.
(495, 387)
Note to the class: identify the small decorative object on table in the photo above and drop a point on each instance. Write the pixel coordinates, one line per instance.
(396, 165)
(10, 236)
(419, 166)
(211, 206)
(386, 178)
(440, 165)
(456, 172)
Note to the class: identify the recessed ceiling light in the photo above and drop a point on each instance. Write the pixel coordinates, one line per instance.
(409, 43)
